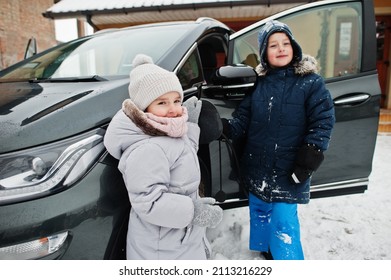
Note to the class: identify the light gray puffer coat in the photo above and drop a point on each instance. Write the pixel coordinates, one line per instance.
(162, 177)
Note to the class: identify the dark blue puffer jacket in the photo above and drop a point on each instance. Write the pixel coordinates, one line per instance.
(285, 111)
(290, 107)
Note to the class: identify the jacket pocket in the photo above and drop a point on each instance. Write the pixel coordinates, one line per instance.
(187, 233)
(285, 158)
(251, 163)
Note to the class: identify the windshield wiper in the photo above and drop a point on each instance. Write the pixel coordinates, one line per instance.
(95, 78)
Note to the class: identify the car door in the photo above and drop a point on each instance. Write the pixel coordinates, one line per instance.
(341, 36)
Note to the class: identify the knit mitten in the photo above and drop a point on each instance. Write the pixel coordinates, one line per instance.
(206, 214)
(193, 106)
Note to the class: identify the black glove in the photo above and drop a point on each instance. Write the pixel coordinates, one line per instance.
(308, 160)
(226, 127)
(300, 174)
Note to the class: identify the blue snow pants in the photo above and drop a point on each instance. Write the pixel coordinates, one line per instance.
(275, 227)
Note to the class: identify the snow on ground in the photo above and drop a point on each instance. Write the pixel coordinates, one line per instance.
(353, 227)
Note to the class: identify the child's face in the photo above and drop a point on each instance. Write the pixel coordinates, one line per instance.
(168, 105)
(279, 50)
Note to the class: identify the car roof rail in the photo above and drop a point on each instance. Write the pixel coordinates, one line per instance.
(212, 21)
(106, 30)
(201, 19)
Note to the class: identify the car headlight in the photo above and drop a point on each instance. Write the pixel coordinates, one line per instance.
(49, 168)
(34, 249)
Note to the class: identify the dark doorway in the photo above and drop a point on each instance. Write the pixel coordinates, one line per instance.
(383, 29)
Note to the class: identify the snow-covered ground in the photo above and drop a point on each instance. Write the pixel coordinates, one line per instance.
(354, 227)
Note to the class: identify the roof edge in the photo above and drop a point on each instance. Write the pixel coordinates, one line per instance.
(193, 6)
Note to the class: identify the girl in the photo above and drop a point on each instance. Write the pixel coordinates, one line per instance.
(155, 139)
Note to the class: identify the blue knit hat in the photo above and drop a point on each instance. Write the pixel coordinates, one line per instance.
(266, 31)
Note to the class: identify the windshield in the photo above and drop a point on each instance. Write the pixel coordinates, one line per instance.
(107, 54)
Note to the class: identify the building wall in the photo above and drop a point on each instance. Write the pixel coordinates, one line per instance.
(19, 21)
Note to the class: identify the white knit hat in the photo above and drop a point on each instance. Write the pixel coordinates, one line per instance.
(149, 81)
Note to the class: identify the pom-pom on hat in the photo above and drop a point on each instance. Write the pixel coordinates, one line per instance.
(149, 81)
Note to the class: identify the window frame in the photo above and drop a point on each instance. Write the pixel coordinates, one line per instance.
(368, 40)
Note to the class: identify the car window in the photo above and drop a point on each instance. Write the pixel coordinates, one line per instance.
(332, 35)
(104, 55)
(190, 73)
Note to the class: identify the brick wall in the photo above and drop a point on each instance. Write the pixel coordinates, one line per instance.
(19, 21)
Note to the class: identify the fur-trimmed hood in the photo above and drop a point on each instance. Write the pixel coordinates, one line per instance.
(139, 118)
(307, 65)
(123, 132)
(154, 125)
(131, 125)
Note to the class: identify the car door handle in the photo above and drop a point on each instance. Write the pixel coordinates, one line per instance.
(351, 99)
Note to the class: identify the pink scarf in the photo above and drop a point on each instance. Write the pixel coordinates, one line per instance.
(174, 127)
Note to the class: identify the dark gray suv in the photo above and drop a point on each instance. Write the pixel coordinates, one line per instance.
(61, 195)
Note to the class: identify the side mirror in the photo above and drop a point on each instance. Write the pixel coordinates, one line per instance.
(232, 82)
(31, 48)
